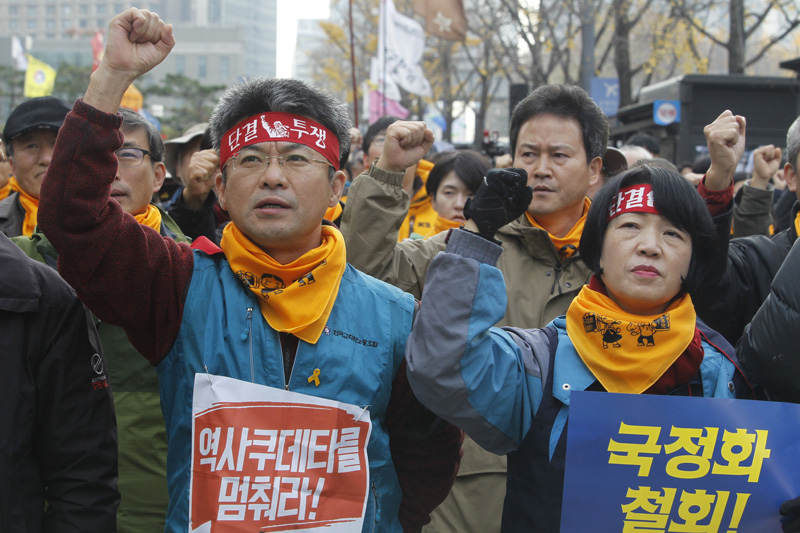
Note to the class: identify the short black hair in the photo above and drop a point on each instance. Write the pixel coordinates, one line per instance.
(646, 141)
(565, 101)
(675, 198)
(374, 129)
(701, 164)
(469, 166)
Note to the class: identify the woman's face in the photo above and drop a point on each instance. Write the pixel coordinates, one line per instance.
(450, 198)
(644, 260)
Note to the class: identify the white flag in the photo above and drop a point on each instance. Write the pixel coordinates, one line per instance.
(382, 81)
(18, 54)
(401, 42)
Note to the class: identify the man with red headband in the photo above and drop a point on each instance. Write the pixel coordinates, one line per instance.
(280, 366)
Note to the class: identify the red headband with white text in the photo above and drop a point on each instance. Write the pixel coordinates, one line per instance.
(266, 127)
(634, 199)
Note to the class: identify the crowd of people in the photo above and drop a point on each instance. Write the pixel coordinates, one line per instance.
(189, 325)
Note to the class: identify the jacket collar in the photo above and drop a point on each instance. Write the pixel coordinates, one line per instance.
(569, 371)
(20, 290)
(8, 206)
(535, 241)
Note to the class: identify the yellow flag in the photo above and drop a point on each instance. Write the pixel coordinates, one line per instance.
(132, 99)
(39, 78)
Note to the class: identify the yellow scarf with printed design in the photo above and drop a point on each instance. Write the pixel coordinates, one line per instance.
(568, 244)
(295, 298)
(628, 353)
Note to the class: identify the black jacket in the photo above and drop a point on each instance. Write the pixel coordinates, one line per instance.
(58, 439)
(739, 279)
(769, 349)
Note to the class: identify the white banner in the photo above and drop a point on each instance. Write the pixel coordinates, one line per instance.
(265, 459)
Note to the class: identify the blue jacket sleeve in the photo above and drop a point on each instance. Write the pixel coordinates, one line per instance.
(485, 380)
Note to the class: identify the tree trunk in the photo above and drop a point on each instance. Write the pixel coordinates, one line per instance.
(447, 91)
(587, 45)
(736, 47)
(622, 56)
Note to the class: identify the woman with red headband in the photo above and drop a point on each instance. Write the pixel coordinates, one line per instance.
(633, 329)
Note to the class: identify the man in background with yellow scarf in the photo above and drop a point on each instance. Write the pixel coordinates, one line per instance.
(274, 318)
(140, 423)
(29, 135)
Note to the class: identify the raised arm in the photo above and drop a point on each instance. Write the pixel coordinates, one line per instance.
(480, 378)
(128, 274)
(377, 206)
(753, 208)
(725, 138)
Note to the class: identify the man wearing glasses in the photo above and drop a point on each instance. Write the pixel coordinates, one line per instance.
(281, 368)
(29, 136)
(142, 438)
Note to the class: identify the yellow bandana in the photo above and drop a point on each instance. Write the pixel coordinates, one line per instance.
(628, 353)
(296, 298)
(151, 218)
(443, 224)
(797, 224)
(421, 214)
(29, 204)
(334, 212)
(568, 244)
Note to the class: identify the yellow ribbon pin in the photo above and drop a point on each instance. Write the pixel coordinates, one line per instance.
(314, 377)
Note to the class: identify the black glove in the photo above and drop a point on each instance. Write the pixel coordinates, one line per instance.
(791, 510)
(502, 197)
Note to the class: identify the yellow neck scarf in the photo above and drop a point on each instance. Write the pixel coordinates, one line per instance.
(151, 217)
(29, 204)
(443, 224)
(628, 353)
(334, 212)
(797, 223)
(568, 244)
(296, 298)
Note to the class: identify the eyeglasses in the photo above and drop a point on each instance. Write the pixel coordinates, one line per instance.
(292, 164)
(131, 157)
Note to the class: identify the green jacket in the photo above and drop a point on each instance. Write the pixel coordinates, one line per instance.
(140, 423)
(539, 286)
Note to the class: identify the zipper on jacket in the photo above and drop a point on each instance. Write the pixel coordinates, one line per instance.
(375, 506)
(249, 333)
(289, 346)
(557, 270)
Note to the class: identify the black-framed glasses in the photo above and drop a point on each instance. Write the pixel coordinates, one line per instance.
(131, 157)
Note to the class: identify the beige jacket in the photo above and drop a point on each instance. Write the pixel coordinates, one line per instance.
(539, 286)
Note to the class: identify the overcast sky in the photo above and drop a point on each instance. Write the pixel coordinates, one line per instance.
(288, 13)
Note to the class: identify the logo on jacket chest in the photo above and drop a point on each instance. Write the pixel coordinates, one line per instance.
(351, 337)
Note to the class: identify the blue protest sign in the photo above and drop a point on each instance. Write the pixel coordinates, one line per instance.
(678, 464)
